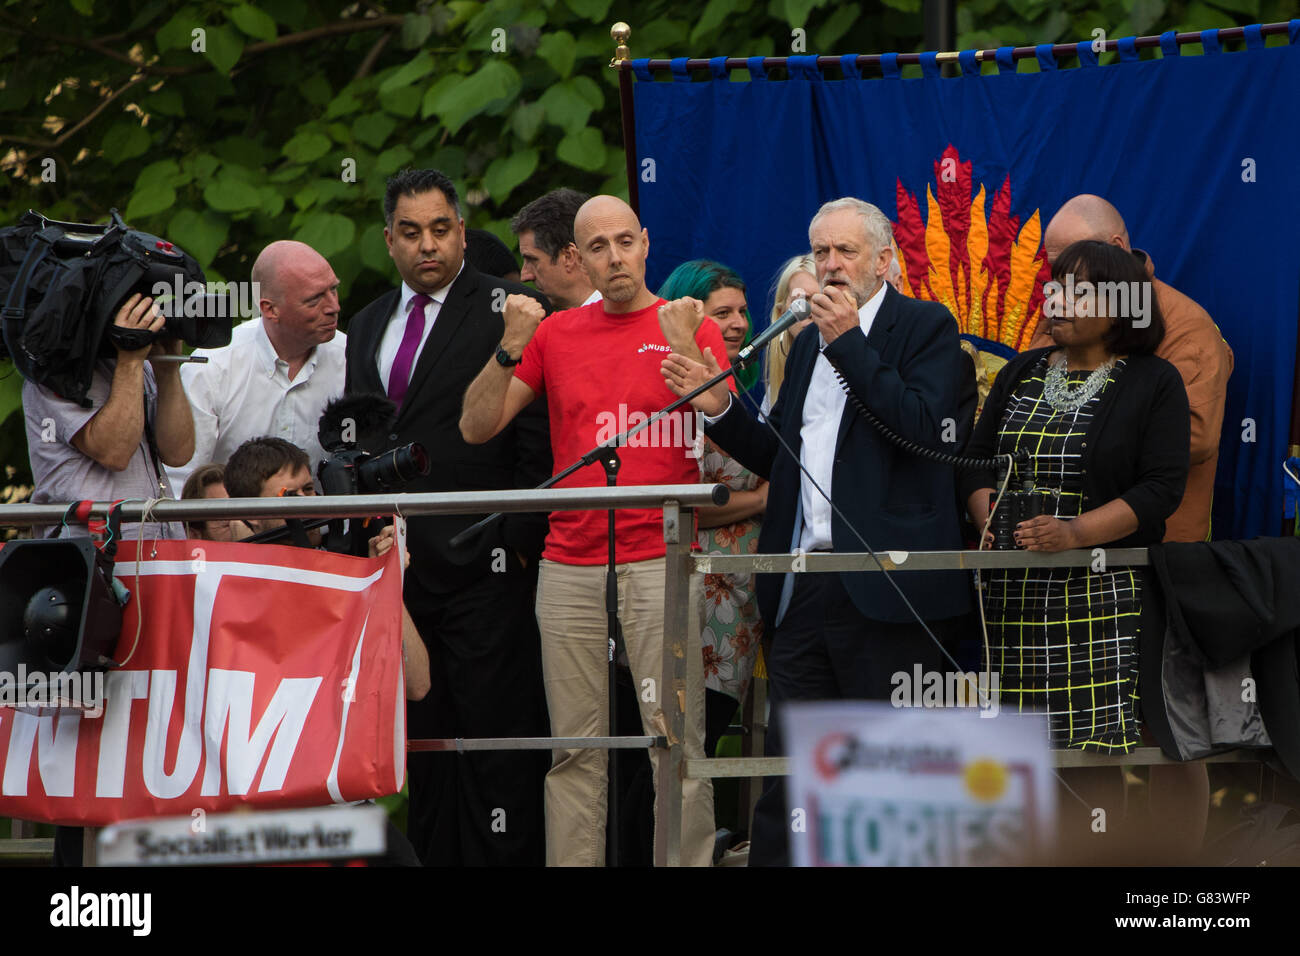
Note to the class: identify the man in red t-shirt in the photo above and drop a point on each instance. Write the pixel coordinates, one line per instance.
(599, 367)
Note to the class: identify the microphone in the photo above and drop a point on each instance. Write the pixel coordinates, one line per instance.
(798, 311)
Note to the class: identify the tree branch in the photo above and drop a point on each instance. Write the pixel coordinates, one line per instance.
(368, 63)
(329, 30)
(68, 131)
(81, 42)
(339, 28)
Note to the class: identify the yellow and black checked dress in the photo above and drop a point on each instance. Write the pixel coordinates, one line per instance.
(1064, 640)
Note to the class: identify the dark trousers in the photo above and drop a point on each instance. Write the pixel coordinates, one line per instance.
(482, 808)
(825, 649)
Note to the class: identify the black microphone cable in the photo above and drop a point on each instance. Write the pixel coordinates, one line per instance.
(969, 464)
(857, 534)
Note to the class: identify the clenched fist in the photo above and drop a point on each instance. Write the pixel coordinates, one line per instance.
(522, 316)
(678, 321)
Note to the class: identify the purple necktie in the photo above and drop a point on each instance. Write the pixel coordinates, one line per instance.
(400, 376)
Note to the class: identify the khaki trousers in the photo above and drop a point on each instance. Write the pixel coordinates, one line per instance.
(575, 668)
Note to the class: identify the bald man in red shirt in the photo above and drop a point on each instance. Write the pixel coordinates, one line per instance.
(599, 366)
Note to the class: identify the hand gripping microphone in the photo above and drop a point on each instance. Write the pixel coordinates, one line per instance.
(798, 311)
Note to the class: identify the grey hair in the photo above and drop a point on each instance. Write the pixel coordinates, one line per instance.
(875, 224)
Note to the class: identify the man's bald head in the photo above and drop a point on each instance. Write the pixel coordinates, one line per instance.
(599, 209)
(613, 248)
(1084, 217)
(298, 297)
(280, 262)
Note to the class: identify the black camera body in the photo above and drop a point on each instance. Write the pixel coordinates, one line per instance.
(354, 471)
(200, 319)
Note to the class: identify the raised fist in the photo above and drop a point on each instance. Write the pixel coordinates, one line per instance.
(678, 321)
(523, 314)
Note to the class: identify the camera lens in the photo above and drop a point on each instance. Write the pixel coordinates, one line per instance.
(393, 469)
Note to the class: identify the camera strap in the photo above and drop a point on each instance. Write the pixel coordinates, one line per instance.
(154, 458)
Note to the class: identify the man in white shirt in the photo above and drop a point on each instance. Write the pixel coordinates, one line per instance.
(846, 635)
(551, 260)
(279, 371)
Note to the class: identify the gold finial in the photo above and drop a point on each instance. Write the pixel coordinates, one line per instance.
(620, 32)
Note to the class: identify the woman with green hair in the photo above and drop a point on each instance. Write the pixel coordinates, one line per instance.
(732, 628)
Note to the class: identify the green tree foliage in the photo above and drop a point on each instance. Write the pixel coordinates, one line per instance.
(226, 125)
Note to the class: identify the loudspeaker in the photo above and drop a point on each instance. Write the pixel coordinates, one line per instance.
(58, 611)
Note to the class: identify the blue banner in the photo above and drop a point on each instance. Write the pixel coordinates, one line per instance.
(1198, 153)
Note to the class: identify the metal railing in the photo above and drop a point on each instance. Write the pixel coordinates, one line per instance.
(682, 661)
(823, 562)
(676, 501)
(360, 506)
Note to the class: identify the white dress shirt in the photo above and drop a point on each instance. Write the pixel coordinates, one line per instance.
(594, 297)
(823, 407)
(243, 391)
(396, 328)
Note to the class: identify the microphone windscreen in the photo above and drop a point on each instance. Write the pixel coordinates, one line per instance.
(354, 418)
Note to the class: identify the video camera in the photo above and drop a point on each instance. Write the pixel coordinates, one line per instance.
(63, 283)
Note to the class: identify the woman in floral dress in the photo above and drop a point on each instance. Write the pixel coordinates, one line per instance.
(732, 626)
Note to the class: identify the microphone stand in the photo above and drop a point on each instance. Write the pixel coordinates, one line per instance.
(593, 456)
(610, 461)
(607, 454)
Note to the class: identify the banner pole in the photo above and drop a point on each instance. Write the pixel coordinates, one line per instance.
(620, 32)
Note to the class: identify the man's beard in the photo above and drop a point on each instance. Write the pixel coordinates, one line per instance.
(859, 294)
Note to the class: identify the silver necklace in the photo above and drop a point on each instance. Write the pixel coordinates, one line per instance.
(1065, 398)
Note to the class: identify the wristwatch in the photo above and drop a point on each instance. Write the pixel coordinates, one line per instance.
(504, 358)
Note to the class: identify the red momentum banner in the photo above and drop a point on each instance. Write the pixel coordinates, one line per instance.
(264, 676)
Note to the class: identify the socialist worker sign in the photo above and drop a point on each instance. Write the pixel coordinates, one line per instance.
(263, 676)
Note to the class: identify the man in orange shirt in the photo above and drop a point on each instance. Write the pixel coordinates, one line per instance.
(1192, 344)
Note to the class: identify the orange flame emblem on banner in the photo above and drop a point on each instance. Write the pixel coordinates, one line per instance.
(985, 267)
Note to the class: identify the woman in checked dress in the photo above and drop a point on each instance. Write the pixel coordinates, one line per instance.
(1103, 428)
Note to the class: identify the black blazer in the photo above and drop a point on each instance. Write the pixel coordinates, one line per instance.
(465, 335)
(1137, 446)
(911, 372)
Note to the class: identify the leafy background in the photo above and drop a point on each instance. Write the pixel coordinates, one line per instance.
(225, 150)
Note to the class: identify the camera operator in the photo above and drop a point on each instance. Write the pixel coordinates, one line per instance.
(138, 420)
(271, 467)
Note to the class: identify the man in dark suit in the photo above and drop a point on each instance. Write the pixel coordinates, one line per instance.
(422, 345)
(845, 635)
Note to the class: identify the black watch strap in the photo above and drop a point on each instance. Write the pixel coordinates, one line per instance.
(504, 358)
